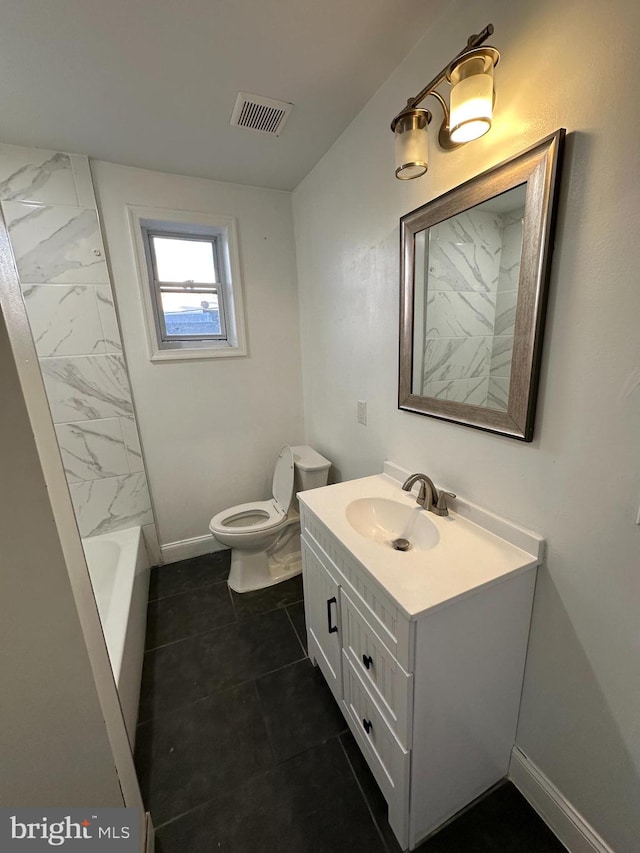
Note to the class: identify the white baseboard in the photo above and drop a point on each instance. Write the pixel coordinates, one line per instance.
(557, 812)
(186, 548)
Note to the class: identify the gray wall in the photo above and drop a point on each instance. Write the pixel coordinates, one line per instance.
(53, 739)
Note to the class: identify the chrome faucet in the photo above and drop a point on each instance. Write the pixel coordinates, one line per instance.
(428, 497)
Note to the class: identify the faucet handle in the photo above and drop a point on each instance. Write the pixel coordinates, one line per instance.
(441, 506)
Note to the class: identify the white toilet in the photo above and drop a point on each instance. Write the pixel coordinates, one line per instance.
(265, 535)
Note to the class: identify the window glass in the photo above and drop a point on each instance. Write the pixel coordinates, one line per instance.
(184, 260)
(191, 314)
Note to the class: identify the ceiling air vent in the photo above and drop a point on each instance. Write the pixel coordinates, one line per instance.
(262, 114)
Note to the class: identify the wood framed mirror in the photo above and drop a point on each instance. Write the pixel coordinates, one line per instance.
(474, 270)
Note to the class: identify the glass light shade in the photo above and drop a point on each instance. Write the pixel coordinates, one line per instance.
(471, 98)
(412, 145)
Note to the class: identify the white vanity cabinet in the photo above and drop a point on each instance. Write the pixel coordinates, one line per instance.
(431, 698)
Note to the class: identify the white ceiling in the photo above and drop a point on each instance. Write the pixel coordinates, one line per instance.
(152, 83)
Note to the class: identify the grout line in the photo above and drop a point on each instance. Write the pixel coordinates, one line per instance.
(251, 616)
(364, 796)
(240, 786)
(217, 797)
(167, 713)
(192, 636)
(263, 717)
(184, 591)
(82, 355)
(234, 621)
(306, 653)
(308, 748)
(233, 604)
(187, 591)
(243, 683)
(279, 668)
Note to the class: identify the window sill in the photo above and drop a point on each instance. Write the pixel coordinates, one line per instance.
(184, 354)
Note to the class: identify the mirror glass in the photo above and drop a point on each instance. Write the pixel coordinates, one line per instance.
(467, 269)
(474, 272)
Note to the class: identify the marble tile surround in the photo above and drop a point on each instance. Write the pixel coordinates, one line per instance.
(48, 203)
(108, 318)
(502, 349)
(111, 503)
(472, 391)
(92, 450)
(87, 387)
(32, 174)
(457, 358)
(55, 243)
(71, 319)
(511, 251)
(505, 318)
(501, 353)
(498, 393)
(454, 315)
(473, 270)
(132, 446)
(464, 252)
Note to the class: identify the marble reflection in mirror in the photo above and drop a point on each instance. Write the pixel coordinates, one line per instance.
(467, 270)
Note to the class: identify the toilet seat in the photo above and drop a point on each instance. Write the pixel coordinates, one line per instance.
(282, 484)
(258, 517)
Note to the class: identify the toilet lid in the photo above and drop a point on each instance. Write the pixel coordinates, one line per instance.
(283, 479)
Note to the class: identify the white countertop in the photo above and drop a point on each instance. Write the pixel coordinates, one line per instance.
(467, 557)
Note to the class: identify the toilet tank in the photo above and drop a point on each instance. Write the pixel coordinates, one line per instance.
(311, 469)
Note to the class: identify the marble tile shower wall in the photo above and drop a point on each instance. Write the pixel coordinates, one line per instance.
(473, 279)
(49, 207)
(507, 297)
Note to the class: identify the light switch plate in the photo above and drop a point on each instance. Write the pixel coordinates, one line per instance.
(362, 412)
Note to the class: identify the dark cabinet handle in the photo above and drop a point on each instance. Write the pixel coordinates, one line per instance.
(368, 725)
(367, 660)
(333, 629)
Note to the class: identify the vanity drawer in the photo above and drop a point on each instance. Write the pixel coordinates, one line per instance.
(388, 760)
(390, 685)
(391, 625)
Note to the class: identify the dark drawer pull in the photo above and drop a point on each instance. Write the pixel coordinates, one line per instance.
(331, 628)
(367, 660)
(368, 725)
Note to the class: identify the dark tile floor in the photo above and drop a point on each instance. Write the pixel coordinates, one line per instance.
(241, 748)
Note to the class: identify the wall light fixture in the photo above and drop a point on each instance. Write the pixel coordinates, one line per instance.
(470, 74)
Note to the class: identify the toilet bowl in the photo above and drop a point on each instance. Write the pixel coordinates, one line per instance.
(265, 535)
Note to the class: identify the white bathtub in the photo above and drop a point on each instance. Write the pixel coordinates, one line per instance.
(119, 569)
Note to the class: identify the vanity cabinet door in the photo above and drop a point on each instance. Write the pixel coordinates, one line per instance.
(322, 611)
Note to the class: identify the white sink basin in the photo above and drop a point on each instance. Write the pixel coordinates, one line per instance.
(384, 521)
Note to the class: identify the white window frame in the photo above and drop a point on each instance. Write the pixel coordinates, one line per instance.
(158, 286)
(222, 229)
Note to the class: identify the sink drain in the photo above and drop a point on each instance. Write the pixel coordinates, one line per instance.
(401, 544)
